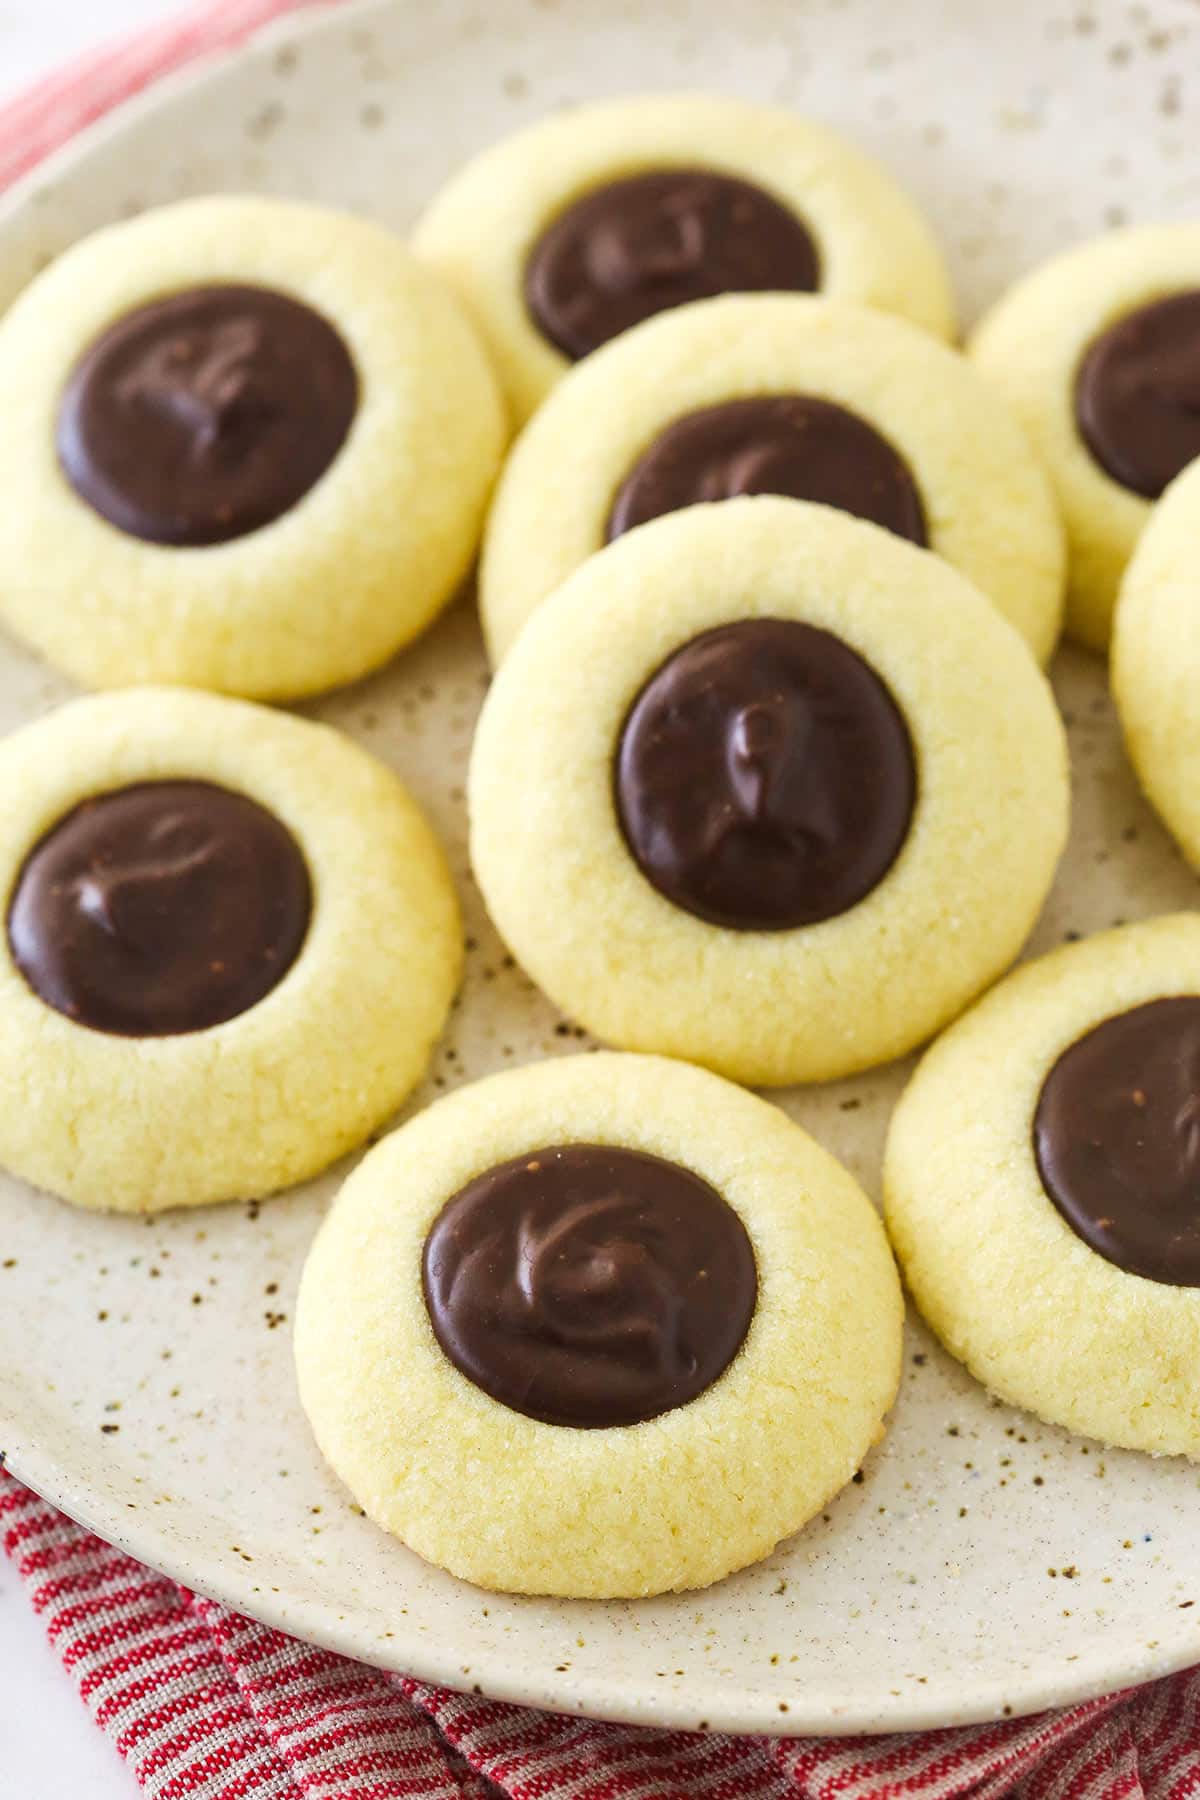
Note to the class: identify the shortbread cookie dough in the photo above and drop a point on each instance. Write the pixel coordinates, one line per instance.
(1156, 660)
(565, 235)
(248, 447)
(1041, 1180)
(780, 394)
(602, 1327)
(1098, 352)
(231, 940)
(765, 787)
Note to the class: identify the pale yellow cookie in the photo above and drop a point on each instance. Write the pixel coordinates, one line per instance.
(1046, 1317)
(868, 241)
(951, 887)
(679, 1499)
(1156, 659)
(328, 949)
(975, 492)
(1034, 346)
(345, 575)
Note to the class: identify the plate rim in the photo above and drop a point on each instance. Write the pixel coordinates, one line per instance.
(604, 1700)
(1103, 1673)
(162, 91)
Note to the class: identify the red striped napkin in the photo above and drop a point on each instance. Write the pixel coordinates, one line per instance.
(205, 1705)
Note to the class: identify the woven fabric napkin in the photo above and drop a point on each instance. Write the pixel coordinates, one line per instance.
(205, 1705)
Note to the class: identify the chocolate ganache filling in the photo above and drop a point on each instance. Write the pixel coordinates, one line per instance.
(765, 777)
(589, 1285)
(206, 415)
(1137, 394)
(1117, 1139)
(161, 908)
(637, 246)
(796, 445)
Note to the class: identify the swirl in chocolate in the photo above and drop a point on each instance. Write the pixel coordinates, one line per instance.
(1137, 394)
(637, 246)
(589, 1285)
(765, 776)
(204, 416)
(161, 908)
(792, 444)
(1117, 1139)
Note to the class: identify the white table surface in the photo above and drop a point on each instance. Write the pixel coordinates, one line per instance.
(51, 1749)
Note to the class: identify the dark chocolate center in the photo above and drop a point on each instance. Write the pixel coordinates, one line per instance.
(765, 776)
(1137, 394)
(206, 415)
(590, 1286)
(1117, 1139)
(648, 242)
(791, 444)
(161, 908)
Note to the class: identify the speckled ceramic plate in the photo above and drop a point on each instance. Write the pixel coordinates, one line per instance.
(983, 1564)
